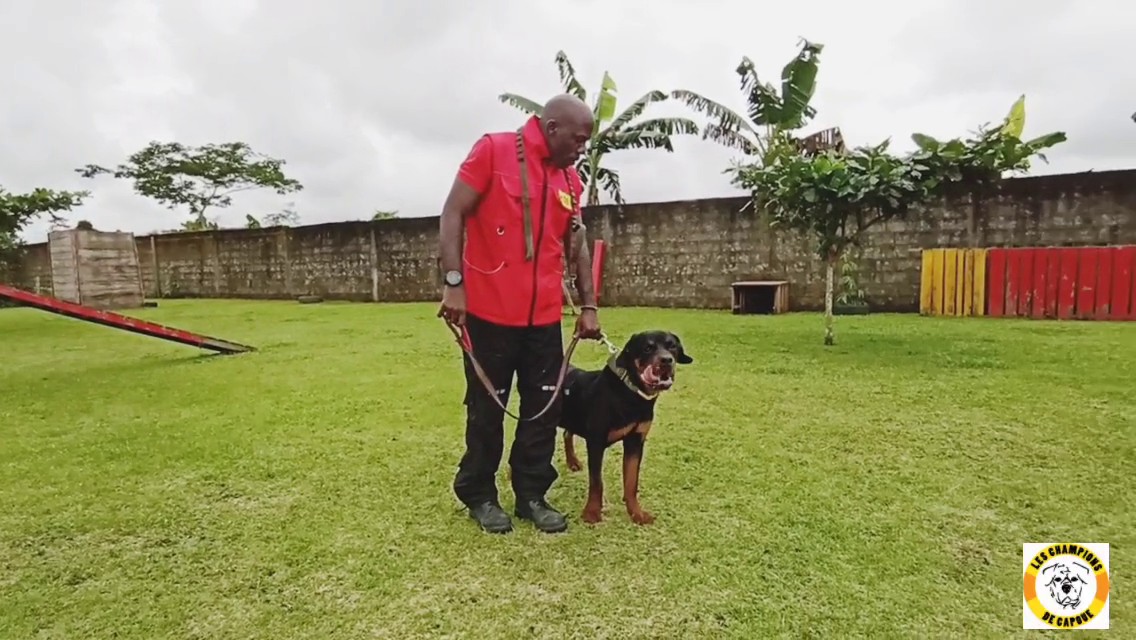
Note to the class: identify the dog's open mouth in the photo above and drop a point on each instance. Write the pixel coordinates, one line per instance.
(656, 376)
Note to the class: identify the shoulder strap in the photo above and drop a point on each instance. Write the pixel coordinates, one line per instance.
(527, 213)
(527, 206)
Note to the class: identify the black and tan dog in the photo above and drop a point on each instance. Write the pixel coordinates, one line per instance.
(617, 404)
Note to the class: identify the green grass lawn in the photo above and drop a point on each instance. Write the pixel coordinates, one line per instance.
(879, 488)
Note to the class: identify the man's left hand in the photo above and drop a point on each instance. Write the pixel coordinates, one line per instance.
(588, 325)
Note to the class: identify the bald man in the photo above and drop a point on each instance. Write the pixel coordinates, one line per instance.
(516, 199)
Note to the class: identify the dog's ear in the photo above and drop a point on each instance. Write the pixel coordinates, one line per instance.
(625, 358)
(683, 356)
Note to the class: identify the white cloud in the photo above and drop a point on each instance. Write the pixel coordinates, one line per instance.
(373, 105)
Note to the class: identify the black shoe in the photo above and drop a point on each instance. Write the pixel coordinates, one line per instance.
(542, 514)
(491, 517)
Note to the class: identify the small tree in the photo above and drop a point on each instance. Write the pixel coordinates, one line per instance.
(286, 217)
(836, 197)
(198, 178)
(611, 132)
(18, 210)
(199, 224)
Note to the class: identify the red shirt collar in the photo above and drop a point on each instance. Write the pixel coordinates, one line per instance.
(536, 146)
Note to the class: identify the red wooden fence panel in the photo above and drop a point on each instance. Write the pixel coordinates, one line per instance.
(1013, 277)
(1124, 283)
(1086, 283)
(1027, 282)
(1089, 283)
(1104, 283)
(1052, 279)
(996, 282)
(1067, 291)
(1039, 284)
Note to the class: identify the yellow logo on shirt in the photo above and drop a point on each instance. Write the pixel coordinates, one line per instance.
(565, 200)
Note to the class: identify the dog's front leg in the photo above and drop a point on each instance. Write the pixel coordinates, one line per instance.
(632, 459)
(593, 509)
(570, 452)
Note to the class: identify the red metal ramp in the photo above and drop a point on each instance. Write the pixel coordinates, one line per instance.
(119, 321)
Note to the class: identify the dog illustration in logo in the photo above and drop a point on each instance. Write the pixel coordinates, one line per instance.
(1066, 582)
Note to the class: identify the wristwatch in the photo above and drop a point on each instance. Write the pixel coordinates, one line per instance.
(453, 278)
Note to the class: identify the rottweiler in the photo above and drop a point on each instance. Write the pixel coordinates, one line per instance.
(617, 404)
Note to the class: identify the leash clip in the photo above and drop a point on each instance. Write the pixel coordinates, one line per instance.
(607, 343)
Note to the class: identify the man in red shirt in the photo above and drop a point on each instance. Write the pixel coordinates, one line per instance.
(516, 197)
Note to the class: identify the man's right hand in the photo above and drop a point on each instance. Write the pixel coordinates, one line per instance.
(453, 305)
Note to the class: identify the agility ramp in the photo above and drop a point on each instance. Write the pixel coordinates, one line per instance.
(119, 321)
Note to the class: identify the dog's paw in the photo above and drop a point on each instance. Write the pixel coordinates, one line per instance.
(592, 516)
(642, 517)
(574, 464)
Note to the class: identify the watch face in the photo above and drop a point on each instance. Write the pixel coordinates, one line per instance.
(453, 278)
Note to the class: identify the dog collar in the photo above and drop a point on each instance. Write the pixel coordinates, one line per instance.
(625, 377)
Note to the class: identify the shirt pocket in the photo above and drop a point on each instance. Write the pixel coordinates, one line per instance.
(512, 209)
(501, 227)
(509, 221)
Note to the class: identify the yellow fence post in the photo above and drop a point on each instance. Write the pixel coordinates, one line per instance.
(926, 277)
(950, 282)
(979, 295)
(937, 262)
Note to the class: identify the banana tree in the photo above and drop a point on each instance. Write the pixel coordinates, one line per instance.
(769, 117)
(981, 161)
(611, 132)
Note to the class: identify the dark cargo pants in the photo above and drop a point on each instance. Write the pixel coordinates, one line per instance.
(534, 355)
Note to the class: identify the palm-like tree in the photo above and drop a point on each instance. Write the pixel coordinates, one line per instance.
(612, 132)
(769, 117)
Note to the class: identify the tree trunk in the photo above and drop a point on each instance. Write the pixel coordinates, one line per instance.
(830, 268)
(593, 193)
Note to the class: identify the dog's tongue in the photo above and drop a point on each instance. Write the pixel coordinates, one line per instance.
(650, 377)
(654, 376)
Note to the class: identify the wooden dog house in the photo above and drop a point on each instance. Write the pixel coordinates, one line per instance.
(760, 296)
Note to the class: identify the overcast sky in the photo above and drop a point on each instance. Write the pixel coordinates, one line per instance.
(374, 104)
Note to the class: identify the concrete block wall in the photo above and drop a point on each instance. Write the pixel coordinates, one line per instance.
(667, 254)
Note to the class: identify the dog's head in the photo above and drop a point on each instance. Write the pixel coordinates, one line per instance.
(651, 359)
(1066, 582)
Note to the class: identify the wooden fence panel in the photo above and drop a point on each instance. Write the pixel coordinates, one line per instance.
(953, 282)
(1085, 283)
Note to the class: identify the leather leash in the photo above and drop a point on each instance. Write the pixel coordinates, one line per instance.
(462, 338)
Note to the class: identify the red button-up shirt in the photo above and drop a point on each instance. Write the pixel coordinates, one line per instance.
(501, 286)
